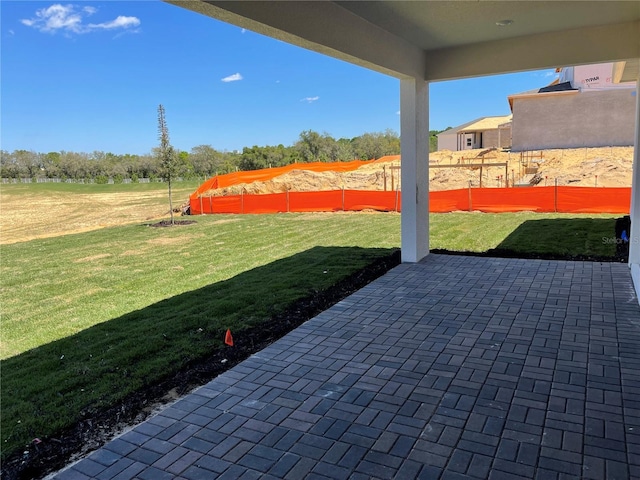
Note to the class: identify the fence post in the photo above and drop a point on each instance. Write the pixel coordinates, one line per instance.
(201, 210)
(384, 176)
(210, 203)
(555, 197)
(287, 192)
(396, 205)
(343, 197)
(470, 205)
(242, 200)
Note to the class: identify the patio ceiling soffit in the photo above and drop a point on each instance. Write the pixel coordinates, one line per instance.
(392, 38)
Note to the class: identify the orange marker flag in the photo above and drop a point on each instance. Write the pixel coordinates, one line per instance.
(228, 339)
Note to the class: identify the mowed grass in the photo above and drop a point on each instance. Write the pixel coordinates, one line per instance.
(89, 318)
(527, 233)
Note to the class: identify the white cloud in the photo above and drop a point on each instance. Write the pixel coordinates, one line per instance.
(11, 32)
(398, 112)
(120, 22)
(232, 78)
(69, 19)
(310, 99)
(243, 30)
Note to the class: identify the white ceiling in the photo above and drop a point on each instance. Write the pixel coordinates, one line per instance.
(432, 25)
(441, 40)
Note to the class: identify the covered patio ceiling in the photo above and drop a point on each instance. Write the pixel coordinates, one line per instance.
(442, 40)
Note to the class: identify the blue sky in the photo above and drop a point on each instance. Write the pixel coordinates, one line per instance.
(87, 76)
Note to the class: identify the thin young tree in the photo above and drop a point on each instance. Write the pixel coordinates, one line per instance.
(168, 160)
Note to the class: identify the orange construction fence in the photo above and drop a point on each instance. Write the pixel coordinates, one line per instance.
(265, 174)
(536, 199)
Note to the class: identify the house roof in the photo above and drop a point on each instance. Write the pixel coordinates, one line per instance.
(557, 87)
(487, 123)
(534, 93)
(455, 130)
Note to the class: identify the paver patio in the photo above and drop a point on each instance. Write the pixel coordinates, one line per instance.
(456, 367)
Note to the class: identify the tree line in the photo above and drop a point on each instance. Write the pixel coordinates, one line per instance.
(201, 162)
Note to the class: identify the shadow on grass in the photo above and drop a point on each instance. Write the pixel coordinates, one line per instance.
(590, 239)
(71, 393)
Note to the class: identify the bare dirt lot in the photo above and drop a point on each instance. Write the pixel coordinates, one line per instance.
(28, 212)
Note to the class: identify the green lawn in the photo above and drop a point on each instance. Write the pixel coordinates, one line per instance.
(524, 232)
(89, 318)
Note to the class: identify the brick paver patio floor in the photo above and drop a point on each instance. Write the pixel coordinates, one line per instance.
(456, 367)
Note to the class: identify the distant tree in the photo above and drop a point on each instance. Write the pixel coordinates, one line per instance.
(206, 160)
(344, 150)
(433, 140)
(370, 146)
(28, 163)
(184, 168)
(230, 161)
(315, 147)
(166, 155)
(8, 165)
(51, 164)
(253, 158)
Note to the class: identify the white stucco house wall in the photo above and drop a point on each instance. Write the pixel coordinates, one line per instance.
(584, 107)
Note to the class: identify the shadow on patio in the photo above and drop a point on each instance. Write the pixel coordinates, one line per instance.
(456, 367)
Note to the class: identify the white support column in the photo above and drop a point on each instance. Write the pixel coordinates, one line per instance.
(634, 246)
(414, 134)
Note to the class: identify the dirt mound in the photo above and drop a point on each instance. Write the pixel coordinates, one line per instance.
(611, 165)
(308, 181)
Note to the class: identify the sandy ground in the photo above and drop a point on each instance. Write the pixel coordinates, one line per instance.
(611, 165)
(25, 218)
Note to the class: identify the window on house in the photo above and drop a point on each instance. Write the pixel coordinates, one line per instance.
(468, 142)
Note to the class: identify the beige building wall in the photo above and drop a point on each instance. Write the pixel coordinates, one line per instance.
(490, 138)
(572, 119)
(505, 136)
(448, 140)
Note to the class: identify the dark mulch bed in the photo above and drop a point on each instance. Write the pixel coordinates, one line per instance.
(176, 223)
(51, 454)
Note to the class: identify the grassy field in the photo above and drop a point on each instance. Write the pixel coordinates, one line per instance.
(88, 318)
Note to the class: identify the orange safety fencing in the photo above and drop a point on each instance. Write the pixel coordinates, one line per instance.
(265, 174)
(536, 199)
